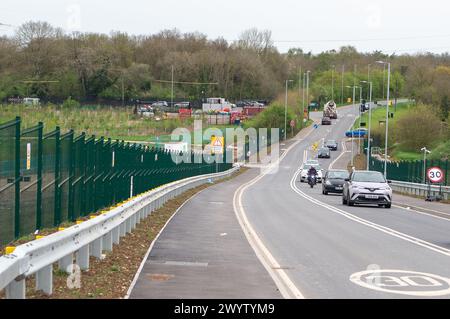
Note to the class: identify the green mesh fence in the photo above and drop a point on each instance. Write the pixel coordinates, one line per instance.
(46, 180)
(8, 182)
(409, 171)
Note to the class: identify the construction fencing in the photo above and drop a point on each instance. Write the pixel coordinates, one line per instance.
(48, 179)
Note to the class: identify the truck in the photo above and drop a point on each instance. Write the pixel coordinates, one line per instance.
(329, 110)
(217, 104)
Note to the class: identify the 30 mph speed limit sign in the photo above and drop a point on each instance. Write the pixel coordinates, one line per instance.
(435, 175)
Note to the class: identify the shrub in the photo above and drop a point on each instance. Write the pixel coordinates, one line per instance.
(419, 128)
(71, 103)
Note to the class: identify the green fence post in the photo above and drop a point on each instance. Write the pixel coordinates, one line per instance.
(39, 177)
(17, 181)
(71, 215)
(57, 202)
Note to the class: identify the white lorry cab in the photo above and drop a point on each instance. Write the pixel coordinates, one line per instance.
(217, 104)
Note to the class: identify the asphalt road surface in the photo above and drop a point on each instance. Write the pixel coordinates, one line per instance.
(324, 249)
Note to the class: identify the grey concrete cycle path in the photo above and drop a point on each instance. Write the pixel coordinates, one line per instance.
(203, 253)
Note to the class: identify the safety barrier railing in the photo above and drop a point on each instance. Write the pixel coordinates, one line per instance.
(89, 238)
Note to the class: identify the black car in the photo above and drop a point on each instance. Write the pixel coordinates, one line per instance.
(333, 181)
(324, 152)
(326, 121)
(332, 145)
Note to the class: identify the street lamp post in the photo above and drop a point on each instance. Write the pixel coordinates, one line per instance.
(425, 151)
(303, 93)
(387, 116)
(342, 84)
(368, 78)
(332, 83)
(285, 109)
(370, 122)
(307, 91)
(354, 104)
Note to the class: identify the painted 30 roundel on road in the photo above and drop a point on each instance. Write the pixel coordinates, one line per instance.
(403, 282)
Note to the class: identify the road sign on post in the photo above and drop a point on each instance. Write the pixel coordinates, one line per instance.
(435, 175)
(217, 143)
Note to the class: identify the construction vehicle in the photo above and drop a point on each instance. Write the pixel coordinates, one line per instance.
(329, 110)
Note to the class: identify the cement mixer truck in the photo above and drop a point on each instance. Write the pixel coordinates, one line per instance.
(329, 110)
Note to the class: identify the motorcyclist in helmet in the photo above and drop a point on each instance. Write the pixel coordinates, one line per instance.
(312, 172)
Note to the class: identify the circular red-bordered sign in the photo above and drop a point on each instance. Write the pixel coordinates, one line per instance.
(435, 174)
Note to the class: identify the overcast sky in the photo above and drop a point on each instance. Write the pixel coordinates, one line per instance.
(388, 25)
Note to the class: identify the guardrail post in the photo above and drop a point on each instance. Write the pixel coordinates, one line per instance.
(16, 289)
(83, 257)
(128, 225)
(107, 241)
(123, 229)
(133, 221)
(116, 235)
(97, 248)
(65, 262)
(44, 280)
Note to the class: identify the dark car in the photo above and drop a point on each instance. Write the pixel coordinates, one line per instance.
(332, 145)
(326, 121)
(333, 181)
(324, 152)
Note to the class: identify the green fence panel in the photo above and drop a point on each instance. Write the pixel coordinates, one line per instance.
(8, 180)
(30, 161)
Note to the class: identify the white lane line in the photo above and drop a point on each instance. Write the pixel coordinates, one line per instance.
(357, 219)
(428, 209)
(423, 213)
(138, 273)
(344, 151)
(287, 288)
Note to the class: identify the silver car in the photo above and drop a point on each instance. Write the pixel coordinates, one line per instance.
(367, 187)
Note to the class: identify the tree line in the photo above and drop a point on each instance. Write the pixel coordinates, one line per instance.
(43, 61)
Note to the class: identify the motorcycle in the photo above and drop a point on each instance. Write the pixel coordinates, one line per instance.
(312, 180)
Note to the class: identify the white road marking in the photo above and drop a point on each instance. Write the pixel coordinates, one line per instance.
(344, 151)
(386, 230)
(423, 213)
(428, 209)
(287, 288)
(403, 280)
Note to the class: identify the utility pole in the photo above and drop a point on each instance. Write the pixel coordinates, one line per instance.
(171, 105)
(299, 81)
(123, 92)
